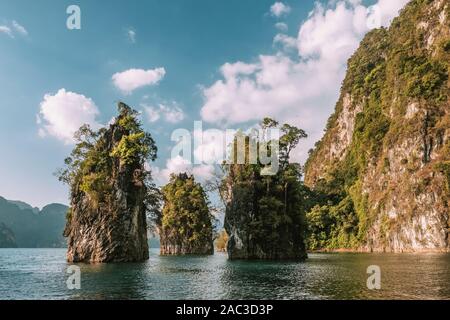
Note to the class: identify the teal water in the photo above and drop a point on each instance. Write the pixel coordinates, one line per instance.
(41, 274)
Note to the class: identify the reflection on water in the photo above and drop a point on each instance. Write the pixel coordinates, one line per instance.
(40, 274)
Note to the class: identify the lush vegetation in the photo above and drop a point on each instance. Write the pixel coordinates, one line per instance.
(268, 211)
(99, 155)
(186, 223)
(390, 70)
(272, 213)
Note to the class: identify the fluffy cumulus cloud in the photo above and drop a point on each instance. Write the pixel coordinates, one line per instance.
(169, 112)
(285, 41)
(178, 164)
(299, 87)
(129, 80)
(385, 11)
(279, 8)
(12, 29)
(63, 113)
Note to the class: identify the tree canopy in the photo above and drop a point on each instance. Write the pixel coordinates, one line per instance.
(266, 212)
(186, 224)
(94, 162)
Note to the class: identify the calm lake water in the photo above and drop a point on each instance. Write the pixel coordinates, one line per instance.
(41, 274)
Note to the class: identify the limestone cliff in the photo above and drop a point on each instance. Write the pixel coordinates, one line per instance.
(107, 218)
(384, 160)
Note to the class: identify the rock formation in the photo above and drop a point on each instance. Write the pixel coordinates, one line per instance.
(186, 223)
(385, 157)
(109, 192)
(264, 214)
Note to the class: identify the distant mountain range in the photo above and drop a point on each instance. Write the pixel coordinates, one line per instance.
(31, 227)
(25, 226)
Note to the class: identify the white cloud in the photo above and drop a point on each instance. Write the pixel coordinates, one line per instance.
(173, 115)
(281, 26)
(387, 11)
(13, 29)
(177, 165)
(129, 80)
(153, 114)
(131, 34)
(169, 112)
(19, 28)
(62, 114)
(332, 34)
(231, 70)
(285, 41)
(279, 8)
(6, 30)
(300, 90)
(203, 172)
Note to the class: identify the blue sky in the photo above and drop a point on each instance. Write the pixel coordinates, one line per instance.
(225, 62)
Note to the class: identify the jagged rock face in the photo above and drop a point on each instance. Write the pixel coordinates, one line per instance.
(402, 184)
(115, 229)
(240, 244)
(109, 234)
(7, 238)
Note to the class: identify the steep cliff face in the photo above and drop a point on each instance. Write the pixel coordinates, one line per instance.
(107, 218)
(385, 157)
(186, 223)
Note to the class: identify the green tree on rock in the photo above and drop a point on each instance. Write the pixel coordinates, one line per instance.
(186, 224)
(111, 191)
(265, 214)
